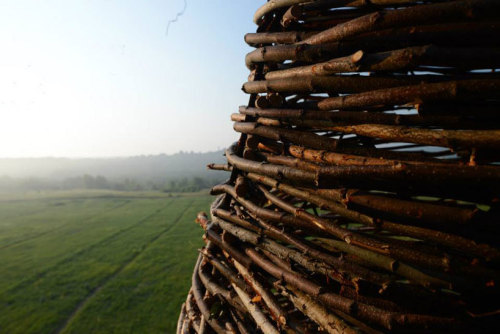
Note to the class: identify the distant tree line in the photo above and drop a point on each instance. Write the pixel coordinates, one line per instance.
(86, 181)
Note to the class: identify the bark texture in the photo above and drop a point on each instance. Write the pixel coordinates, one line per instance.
(364, 190)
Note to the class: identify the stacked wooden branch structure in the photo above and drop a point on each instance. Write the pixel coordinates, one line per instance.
(364, 190)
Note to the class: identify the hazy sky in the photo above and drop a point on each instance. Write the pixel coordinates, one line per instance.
(82, 78)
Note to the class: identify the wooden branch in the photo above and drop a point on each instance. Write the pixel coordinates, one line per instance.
(469, 34)
(336, 268)
(396, 60)
(335, 84)
(272, 5)
(370, 313)
(365, 183)
(417, 15)
(289, 37)
(223, 167)
(323, 119)
(198, 296)
(260, 319)
(305, 304)
(191, 313)
(416, 94)
(459, 243)
(275, 309)
(182, 316)
(217, 290)
(315, 141)
(447, 138)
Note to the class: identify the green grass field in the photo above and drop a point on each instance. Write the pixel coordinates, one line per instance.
(96, 262)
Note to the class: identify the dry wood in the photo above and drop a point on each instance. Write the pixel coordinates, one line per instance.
(182, 316)
(279, 38)
(416, 94)
(417, 15)
(323, 119)
(191, 313)
(463, 34)
(272, 5)
(332, 84)
(328, 321)
(450, 240)
(364, 189)
(217, 290)
(383, 318)
(395, 60)
(335, 268)
(447, 138)
(202, 306)
(273, 305)
(312, 140)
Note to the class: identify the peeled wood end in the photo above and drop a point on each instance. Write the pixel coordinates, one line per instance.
(202, 219)
(247, 38)
(357, 56)
(238, 117)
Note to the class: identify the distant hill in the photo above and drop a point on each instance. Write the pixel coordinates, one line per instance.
(143, 167)
(158, 171)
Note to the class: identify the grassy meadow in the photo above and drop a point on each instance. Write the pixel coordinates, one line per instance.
(96, 261)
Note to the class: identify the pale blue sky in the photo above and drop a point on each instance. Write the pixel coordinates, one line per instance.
(81, 78)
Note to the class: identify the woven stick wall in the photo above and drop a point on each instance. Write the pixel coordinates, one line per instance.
(363, 192)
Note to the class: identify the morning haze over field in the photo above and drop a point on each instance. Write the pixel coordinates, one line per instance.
(107, 126)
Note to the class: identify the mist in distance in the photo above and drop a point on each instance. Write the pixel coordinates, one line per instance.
(180, 172)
